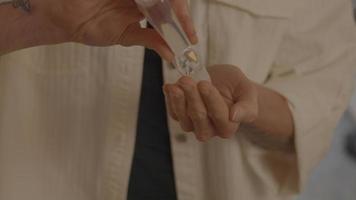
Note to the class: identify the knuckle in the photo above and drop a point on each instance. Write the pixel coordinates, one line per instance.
(198, 115)
(216, 116)
(187, 83)
(178, 94)
(204, 88)
(186, 126)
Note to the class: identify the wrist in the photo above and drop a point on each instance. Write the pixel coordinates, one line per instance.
(273, 127)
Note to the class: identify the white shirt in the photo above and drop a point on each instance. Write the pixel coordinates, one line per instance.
(68, 112)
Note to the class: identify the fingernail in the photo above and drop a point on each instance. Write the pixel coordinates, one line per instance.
(195, 38)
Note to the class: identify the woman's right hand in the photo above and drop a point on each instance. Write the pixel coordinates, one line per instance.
(101, 23)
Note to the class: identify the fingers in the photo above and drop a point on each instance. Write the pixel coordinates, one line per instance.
(135, 35)
(218, 110)
(169, 103)
(202, 109)
(196, 109)
(181, 9)
(178, 106)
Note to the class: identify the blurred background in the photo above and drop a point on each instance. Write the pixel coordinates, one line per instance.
(335, 177)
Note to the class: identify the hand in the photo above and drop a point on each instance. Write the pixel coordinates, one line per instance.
(213, 109)
(101, 23)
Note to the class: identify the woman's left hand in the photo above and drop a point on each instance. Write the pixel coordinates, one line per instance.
(215, 108)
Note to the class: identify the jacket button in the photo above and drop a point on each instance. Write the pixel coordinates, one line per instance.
(181, 137)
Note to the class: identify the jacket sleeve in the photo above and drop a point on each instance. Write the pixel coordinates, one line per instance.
(314, 71)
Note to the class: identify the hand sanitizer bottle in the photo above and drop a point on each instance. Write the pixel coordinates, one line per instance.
(162, 17)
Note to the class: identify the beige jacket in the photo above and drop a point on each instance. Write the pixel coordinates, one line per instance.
(68, 112)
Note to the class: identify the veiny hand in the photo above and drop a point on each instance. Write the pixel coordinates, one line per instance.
(103, 22)
(213, 109)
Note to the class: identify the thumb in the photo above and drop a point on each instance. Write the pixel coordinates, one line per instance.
(245, 108)
(182, 12)
(243, 112)
(149, 38)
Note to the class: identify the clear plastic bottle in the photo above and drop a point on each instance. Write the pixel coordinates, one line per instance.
(161, 16)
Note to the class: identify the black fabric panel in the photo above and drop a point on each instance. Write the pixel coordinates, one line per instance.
(152, 176)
